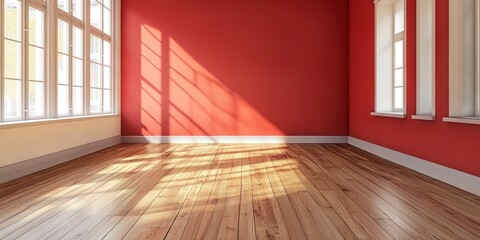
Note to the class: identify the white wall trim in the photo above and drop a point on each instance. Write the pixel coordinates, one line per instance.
(27, 167)
(467, 182)
(235, 139)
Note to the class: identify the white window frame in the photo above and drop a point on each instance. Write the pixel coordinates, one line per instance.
(398, 38)
(51, 16)
(39, 5)
(92, 31)
(464, 63)
(425, 60)
(25, 7)
(72, 22)
(384, 59)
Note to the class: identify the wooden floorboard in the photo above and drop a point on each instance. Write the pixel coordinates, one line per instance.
(234, 191)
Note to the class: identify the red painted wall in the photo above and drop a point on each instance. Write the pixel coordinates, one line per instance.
(216, 67)
(449, 144)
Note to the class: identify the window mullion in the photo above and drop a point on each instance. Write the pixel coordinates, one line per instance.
(26, 59)
(24, 56)
(70, 66)
(102, 75)
(51, 63)
(87, 55)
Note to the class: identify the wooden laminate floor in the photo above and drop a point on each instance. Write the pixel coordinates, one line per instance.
(282, 191)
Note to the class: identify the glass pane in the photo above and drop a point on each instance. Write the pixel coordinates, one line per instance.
(95, 14)
(399, 16)
(36, 27)
(398, 78)
(107, 53)
(107, 21)
(107, 79)
(107, 3)
(77, 98)
(398, 62)
(63, 70)
(77, 42)
(12, 59)
(64, 5)
(107, 101)
(95, 49)
(12, 106)
(36, 65)
(398, 98)
(12, 20)
(95, 100)
(95, 75)
(77, 7)
(77, 72)
(62, 101)
(63, 39)
(36, 99)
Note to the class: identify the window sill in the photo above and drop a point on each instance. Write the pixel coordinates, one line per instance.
(388, 114)
(465, 120)
(424, 117)
(31, 123)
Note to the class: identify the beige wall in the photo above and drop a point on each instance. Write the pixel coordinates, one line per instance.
(22, 142)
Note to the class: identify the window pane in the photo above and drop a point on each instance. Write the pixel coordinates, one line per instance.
(63, 39)
(95, 75)
(62, 101)
(77, 42)
(35, 27)
(12, 19)
(77, 72)
(12, 108)
(64, 5)
(95, 49)
(36, 98)
(399, 16)
(77, 7)
(107, 21)
(398, 98)
(107, 101)
(95, 100)
(107, 53)
(107, 3)
(398, 78)
(107, 79)
(77, 99)
(398, 61)
(63, 70)
(95, 14)
(12, 59)
(36, 65)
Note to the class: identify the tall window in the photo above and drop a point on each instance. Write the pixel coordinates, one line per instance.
(69, 76)
(70, 58)
(23, 60)
(100, 56)
(425, 60)
(390, 56)
(465, 59)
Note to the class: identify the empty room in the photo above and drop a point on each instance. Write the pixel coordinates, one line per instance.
(239, 119)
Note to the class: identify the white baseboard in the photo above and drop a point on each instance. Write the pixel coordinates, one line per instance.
(27, 167)
(234, 139)
(453, 177)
